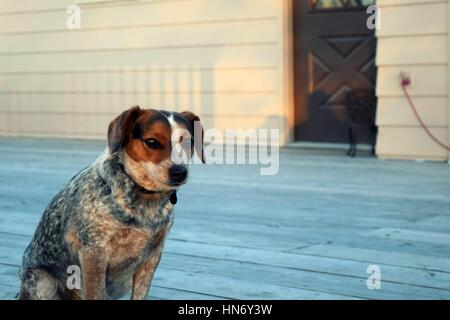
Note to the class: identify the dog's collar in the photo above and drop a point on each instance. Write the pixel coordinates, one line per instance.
(173, 196)
(145, 191)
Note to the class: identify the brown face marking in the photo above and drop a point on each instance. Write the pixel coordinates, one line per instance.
(150, 125)
(148, 166)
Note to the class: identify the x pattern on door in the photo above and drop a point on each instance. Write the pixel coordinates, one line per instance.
(344, 64)
(334, 54)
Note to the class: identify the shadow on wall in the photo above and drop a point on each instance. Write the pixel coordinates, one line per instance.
(81, 103)
(173, 88)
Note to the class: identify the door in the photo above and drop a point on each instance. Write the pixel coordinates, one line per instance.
(334, 52)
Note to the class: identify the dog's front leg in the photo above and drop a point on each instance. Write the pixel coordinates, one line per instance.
(142, 278)
(93, 268)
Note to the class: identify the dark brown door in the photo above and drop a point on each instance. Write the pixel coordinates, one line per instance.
(334, 52)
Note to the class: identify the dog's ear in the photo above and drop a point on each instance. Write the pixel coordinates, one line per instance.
(196, 125)
(119, 128)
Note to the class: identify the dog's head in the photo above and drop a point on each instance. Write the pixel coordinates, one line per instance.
(156, 146)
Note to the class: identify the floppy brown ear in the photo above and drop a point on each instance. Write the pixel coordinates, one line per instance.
(119, 128)
(198, 138)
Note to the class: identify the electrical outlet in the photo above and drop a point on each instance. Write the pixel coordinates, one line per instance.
(405, 78)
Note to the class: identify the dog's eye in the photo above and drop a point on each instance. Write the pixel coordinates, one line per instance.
(153, 144)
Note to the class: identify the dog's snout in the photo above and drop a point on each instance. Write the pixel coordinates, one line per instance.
(178, 173)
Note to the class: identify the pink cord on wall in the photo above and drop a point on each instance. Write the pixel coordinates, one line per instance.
(404, 84)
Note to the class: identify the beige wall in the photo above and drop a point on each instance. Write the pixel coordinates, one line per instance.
(223, 59)
(414, 39)
(227, 60)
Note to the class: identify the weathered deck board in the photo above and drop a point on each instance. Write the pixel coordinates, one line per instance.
(309, 232)
(289, 270)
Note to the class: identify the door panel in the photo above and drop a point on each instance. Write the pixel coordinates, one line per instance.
(334, 52)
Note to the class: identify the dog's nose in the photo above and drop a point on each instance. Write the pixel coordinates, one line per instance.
(177, 173)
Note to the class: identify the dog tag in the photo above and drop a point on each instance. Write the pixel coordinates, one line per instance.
(173, 198)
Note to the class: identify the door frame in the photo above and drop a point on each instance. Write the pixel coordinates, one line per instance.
(448, 102)
(288, 71)
(288, 39)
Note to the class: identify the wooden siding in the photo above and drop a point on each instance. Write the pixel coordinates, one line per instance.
(223, 59)
(414, 39)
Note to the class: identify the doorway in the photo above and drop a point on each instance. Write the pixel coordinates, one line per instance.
(334, 53)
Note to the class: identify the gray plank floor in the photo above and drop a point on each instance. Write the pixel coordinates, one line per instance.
(309, 232)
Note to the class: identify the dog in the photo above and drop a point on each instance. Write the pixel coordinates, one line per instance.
(112, 218)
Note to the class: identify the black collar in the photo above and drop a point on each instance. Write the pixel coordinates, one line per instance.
(173, 196)
(145, 191)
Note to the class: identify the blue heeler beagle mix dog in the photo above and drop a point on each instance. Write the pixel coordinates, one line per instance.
(112, 218)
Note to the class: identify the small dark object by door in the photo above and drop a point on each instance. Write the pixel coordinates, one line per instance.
(361, 109)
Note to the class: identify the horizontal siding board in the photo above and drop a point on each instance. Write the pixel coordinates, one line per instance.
(385, 3)
(185, 46)
(53, 124)
(430, 49)
(138, 69)
(404, 20)
(11, 6)
(191, 35)
(193, 81)
(226, 55)
(151, 14)
(427, 80)
(85, 125)
(396, 111)
(411, 142)
(214, 104)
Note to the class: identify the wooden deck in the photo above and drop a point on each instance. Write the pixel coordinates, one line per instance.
(309, 232)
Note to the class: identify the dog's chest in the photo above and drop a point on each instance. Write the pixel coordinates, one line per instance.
(128, 247)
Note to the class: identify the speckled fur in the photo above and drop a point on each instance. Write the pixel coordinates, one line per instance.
(103, 223)
(99, 210)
